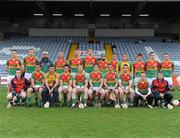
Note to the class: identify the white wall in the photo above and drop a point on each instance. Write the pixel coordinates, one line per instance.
(57, 32)
(123, 32)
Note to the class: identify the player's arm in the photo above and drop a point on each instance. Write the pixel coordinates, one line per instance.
(130, 83)
(57, 82)
(101, 83)
(13, 86)
(70, 82)
(86, 81)
(137, 92)
(173, 67)
(7, 65)
(74, 81)
(27, 85)
(116, 82)
(105, 83)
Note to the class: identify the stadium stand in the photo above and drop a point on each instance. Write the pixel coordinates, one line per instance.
(131, 46)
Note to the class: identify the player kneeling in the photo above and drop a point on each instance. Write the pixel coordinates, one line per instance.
(65, 85)
(161, 91)
(50, 92)
(111, 83)
(19, 86)
(80, 84)
(143, 92)
(125, 89)
(37, 85)
(96, 90)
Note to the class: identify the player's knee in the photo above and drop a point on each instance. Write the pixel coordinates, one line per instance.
(9, 96)
(23, 95)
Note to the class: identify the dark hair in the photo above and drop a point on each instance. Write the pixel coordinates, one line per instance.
(151, 53)
(51, 65)
(125, 65)
(139, 55)
(66, 65)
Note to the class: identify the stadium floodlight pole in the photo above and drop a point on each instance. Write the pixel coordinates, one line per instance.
(91, 11)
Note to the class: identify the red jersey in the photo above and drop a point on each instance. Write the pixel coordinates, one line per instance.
(152, 65)
(143, 86)
(89, 60)
(115, 65)
(18, 85)
(30, 63)
(13, 64)
(160, 86)
(75, 62)
(102, 65)
(59, 65)
(138, 68)
(66, 77)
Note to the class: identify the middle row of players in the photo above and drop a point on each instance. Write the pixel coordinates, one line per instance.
(89, 85)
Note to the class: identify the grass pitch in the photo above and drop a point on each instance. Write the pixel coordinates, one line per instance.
(23, 122)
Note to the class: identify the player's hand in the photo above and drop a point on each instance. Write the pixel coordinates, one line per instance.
(144, 97)
(125, 90)
(161, 95)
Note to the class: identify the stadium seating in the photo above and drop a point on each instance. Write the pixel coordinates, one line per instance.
(131, 46)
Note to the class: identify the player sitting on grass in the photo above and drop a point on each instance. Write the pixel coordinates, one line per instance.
(37, 85)
(80, 84)
(50, 92)
(19, 86)
(96, 83)
(125, 87)
(143, 92)
(65, 86)
(161, 91)
(111, 83)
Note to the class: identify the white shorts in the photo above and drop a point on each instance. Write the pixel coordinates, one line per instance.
(10, 77)
(27, 75)
(73, 74)
(95, 88)
(169, 80)
(79, 87)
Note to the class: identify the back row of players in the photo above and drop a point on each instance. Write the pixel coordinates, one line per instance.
(99, 81)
